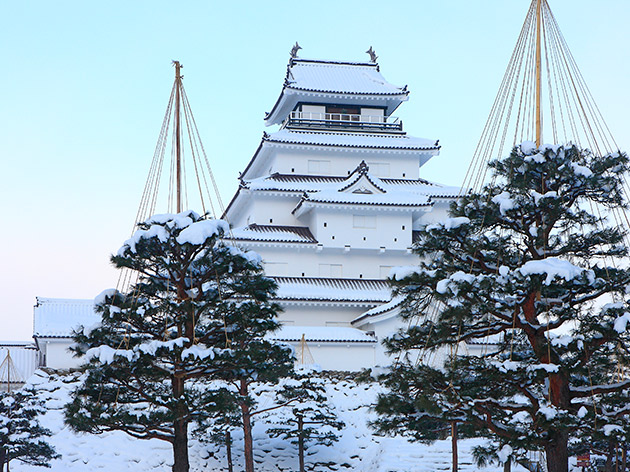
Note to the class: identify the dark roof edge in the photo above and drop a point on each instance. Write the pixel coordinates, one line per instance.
(428, 148)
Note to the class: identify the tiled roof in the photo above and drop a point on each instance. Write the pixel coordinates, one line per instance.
(339, 77)
(332, 289)
(322, 334)
(311, 183)
(382, 200)
(274, 233)
(352, 140)
(379, 310)
(357, 83)
(57, 317)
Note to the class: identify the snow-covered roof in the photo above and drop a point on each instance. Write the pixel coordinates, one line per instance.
(358, 140)
(388, 200)
(322, 334)
(422, 148)
(310, 183)
(361, 188)
(388, 307)
(274, 233)
(57, 317)
(319, 81)
(332, 289)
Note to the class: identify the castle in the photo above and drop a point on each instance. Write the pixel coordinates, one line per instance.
(332, 201)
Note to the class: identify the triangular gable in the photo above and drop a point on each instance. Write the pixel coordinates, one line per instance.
(360, 182)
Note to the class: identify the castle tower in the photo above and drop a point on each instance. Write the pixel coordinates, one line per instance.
(331, 202)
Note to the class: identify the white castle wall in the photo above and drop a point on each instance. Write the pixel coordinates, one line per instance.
(341, 356)
(355, 263)
(362, 228)
(320, 315)
(400, 165)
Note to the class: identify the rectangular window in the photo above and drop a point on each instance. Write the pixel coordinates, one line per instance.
(313, 112)
(379, 169)
(364, 221)
(330, 270)
(276, 268)
(373, 115)
(318, 167)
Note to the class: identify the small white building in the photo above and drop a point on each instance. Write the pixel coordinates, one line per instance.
(54, 319)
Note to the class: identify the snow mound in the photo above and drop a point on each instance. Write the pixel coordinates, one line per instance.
(357, 448)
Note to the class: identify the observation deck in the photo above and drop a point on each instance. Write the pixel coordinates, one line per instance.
(341, 121)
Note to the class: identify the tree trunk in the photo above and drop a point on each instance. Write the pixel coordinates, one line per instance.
(3, 458)
(180, 428)
(608, 466)
(624, 458)
(507, 465)
(301, 442)
(228, 445)
(247, 429)
(557, 452)
(454, 444)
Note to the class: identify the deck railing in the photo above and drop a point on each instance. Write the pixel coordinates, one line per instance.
(305, 119)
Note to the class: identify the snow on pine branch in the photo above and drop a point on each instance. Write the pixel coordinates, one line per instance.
(553, 267)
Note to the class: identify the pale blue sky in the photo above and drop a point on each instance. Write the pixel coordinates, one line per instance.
(84, 86)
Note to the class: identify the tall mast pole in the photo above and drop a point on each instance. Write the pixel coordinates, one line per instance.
(538, 73)
(178, 155)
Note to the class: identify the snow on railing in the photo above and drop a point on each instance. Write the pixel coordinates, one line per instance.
(343, 117)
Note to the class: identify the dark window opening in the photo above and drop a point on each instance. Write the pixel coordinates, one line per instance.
(343, 110)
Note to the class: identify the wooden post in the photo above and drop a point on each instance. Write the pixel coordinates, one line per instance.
(538, 73)
(454, 444)
(178, 155)
(228, 445)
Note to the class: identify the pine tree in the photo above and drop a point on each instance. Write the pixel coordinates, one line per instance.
(199, 312)
(21, 435)
(308, 418)
(530, 262)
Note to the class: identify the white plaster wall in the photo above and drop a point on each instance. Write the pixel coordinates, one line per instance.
(341, 356)
(319, 315)
(338, 229)
(57, 355)
(25, 360)
(271, 210)
(356, 263)
(439, 212)
(402, 164)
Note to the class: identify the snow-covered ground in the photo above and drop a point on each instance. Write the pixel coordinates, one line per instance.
(358, 449)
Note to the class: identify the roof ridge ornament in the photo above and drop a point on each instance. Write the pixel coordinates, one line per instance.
(373, 56)
(294, 51)
(363, 168)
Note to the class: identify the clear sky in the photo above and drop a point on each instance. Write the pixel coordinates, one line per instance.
(84, 87)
